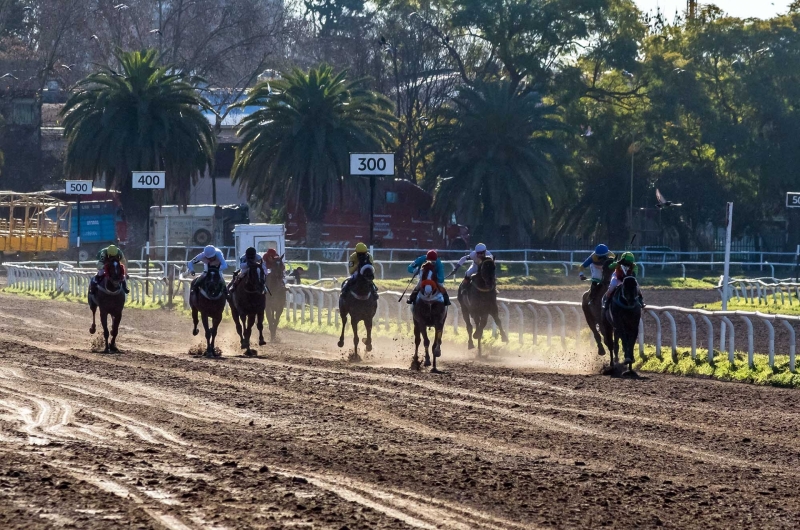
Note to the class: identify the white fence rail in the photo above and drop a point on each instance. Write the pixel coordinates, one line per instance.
(562, 321)
(759, 290)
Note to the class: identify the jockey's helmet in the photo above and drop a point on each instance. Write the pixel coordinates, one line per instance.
(480, 247)
(250, 253)
(627, 258)
(112, 251)
(601, 250)
(432, 255)
(210, 251)
(272, 253)
(361, 248)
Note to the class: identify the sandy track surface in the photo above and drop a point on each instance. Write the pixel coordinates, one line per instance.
(155, 438)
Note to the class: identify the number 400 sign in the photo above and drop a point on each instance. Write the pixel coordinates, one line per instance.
(150, 180)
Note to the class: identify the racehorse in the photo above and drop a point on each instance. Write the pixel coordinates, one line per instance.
(276, 296)
(361, 304)
(248, 303)
(593, 312)
(428, 311)
(621, 320)
(110, 298)
(209, 300)
(478, 301)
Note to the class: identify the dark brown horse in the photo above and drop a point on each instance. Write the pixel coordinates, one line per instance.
(209, 300)
(428, 311)
(621, 321)
(478, 300)
(109, 296)
(361, 304)
(248, 303)
(276, 296)
(592, 311)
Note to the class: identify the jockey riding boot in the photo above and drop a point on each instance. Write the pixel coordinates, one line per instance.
(413, 296)
(125, 287)
(605, 299)
(446, 297)
(234, 282)
(641, 300)
(345, 286)
(375, 290)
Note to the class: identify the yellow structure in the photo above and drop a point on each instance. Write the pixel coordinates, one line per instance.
(33, 222)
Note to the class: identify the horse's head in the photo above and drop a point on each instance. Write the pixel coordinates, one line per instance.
(253, 273)
(114, 274)
(629, 290)
(487, 271)
(367, 272)
(427, 270)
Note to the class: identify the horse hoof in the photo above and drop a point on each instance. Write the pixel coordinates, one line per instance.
(601, 352)
(340, 343)
(92, 330)
(437, 353)
(262, 342)
(106, 351)
(628, 361)
(369, 346)
(504, 338)
(476, 335)
(427, 361)
(244, 345)
(435, 371)
(195, 332)
(415, 365)
(113, 349)
(354, 358)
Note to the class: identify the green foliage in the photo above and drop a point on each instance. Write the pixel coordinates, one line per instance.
(493, 159)
(298, 142)
(145, 118)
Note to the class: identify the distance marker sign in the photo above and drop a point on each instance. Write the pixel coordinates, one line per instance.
(372, 164)
(793, 199)
(78, 187)
(149, 180)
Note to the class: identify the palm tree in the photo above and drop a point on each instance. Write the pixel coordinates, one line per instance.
(493, 156)
(297, 144)
(146, 118)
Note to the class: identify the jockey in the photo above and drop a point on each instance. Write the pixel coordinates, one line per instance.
(600, 258)
(625, 266)
(104, 258)
(211, 256)
(433, 256)
(477, 256)
(357, 260)
(250, 257)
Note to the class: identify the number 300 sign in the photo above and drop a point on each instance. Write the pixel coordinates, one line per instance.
(372, 164)
(151, 180)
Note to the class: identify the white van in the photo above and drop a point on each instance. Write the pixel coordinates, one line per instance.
(262, 236)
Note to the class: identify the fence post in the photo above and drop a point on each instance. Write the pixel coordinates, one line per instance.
(731, 340)
(658, 333)
(792, 343)
(674, 337)
(693, 325)
(771, 330)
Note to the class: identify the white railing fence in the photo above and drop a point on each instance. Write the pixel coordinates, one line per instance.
(759, 290)
(532, 320)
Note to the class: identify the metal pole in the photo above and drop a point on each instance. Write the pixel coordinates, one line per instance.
(372, 211)
(147, 255)
(727, 268)
(79, 232)
(166, 242)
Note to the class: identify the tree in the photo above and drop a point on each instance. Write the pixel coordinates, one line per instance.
(144, 118)
(297, 143)
(493, 155)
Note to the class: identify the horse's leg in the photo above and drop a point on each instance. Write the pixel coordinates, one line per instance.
(496, 316)
(468, 322)
(93, 328)
(260, 326)
(368, 340)
(417, 340)
(427, 343)
(215, 320)
(248, 321)
(115, 320)
(437, 348)
(593, 323)
(355, 357)
(344, 325)
(195, 321)
(104, 322)
(207, 328)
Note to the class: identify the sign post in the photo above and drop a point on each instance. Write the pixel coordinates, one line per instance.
(372, 165)
(793, 201)
(78, 187)
(727, 269)
(148, 180)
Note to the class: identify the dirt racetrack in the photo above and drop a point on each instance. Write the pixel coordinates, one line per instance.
(155, 438)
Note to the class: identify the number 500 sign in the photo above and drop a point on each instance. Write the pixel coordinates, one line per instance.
(379, 164)
(151, 180)
(793, 199)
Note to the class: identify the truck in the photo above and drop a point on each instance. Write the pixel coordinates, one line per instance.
(102, 222)
(261, 236)
(190, 228)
